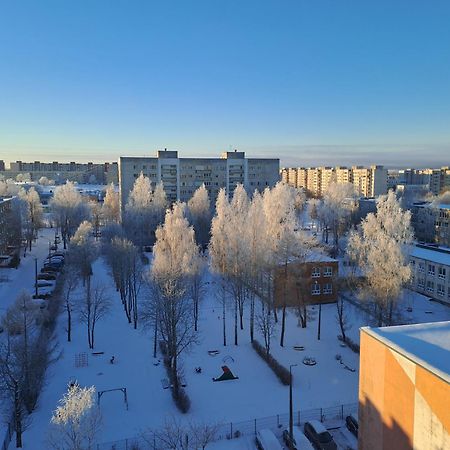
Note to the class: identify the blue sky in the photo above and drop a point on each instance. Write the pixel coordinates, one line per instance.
(313, 82)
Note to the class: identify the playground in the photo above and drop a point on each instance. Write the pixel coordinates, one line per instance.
(224, 384)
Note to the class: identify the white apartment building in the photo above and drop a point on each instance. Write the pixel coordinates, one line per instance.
(182, 176)
(430, 267)
(368, 181)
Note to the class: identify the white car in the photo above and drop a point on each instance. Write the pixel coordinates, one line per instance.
(300, 441)
(266, 440)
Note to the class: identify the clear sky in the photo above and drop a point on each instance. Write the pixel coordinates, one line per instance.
(310, 81)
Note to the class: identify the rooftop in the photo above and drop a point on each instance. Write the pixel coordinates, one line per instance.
(426, 344)
(437, 254)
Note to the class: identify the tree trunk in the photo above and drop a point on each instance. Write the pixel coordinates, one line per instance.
(235, 322)
(69, 324)
(319, 323)
(252, 317)
(155, 337)
(224, 324)
(17, 417)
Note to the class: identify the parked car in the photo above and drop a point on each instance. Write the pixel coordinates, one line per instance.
(266, 440)
(42, 295)
(47, 276)
(298, 441)
(55, 259)
(352, 424)
(46, 284)
(54, 265)
(319, 436)
(50, 269)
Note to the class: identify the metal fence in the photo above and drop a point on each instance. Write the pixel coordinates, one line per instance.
(333, 417)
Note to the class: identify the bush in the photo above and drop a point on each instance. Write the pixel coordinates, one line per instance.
(353, 346)
(280, 371)
(182, 400)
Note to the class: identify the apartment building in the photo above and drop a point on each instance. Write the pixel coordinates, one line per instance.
(368, 181)
(436, 180)
(404, 387)
(60, 172)
(431, 222)
(430, 267)
(183, 176)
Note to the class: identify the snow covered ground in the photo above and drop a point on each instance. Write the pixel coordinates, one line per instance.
(256, 394)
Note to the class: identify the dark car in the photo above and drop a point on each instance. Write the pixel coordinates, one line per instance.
(56, 264)
(352, 425)
(42, 296)
(298, 441)
(319, 436)
(47, 276)
(50, 269)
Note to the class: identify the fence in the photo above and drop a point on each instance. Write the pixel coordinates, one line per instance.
(332, 416)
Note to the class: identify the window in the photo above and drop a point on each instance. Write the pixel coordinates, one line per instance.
(441, 273)
(430, 286)
(315, 272)
(315, 289)
(421, 283)
(328, 272)
(441, 290)
(431, 269)
(422, 267)
(327, 288)
(412, 262)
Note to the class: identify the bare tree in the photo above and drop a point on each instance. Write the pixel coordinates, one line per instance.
(266, 325)
(341, 316)
(202, 434)
(70, 284)
(171, 436)
(94, 307)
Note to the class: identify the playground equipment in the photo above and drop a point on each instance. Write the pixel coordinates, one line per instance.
(228, 359)
(226, 375)
(124, 391)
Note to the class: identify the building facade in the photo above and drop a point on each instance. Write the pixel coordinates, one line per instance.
(368, 181)
(60, 172)
(431, 222)
(183, 176)
(311, 282)
(404, 387)
(430, 266)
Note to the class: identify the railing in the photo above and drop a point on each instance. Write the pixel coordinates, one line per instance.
(231, 430)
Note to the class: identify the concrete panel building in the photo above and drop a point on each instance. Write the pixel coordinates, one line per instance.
(431, 222)
(430, 266)
(182, 176)
(404, 387)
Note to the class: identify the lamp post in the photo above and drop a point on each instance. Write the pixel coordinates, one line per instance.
(35, 277)
(291, 407)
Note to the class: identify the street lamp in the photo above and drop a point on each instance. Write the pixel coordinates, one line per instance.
(291, 412)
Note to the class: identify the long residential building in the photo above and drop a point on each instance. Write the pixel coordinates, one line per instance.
(182, 176)
(430, 267)
(431, 222)
(368, 181)
(90, 172)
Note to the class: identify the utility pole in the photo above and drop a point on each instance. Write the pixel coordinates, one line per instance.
(291, 406)
(320, 318)
(35, 277)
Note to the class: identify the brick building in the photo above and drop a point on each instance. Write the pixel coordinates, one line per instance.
(310, 282)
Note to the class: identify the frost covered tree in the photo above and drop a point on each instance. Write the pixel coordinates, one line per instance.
(199, 208)
(380, 248)
(96, 216)
(138, 212)
(68, 210)
(335, 212)
(76, 421)
(111, 205)
(82, 252)
(159, 205)
(124, 260)
(32, 214)
(174, 255)
(44, 181)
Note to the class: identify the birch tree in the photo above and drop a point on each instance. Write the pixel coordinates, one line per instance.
(200, 215)
(380, 248)
(111, 205)
(77, 421)
(68, 210)
(32, 214)
(175, 253)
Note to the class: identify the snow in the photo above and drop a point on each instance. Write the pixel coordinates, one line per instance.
(426, 344)
(256, 394)
(438, 255)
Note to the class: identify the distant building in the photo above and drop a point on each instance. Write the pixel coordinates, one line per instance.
(431, 222)
(368, 181)
(436, 180)
(2, 165)
(60, 172)
(182, 176)
(430, 266)
(404, 387)
(310, 282)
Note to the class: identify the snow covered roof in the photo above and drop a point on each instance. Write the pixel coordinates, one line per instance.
(426, 344)
(438, 254)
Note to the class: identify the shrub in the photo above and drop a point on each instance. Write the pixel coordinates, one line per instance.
(279, 370)
(182, 400)
(353, 346)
